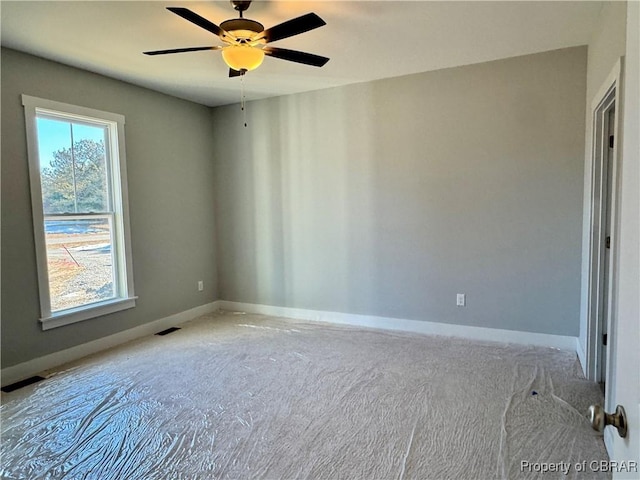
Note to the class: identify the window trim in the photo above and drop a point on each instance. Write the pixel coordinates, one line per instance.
(122, 237)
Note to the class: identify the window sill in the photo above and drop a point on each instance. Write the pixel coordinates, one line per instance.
(85, 313)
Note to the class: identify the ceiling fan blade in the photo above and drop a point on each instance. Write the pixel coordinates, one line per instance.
(181, 50)
(235, 73)
(293, 27)
(296, 56)
(198, 20)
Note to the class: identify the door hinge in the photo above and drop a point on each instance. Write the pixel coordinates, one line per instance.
(611, 141)
(607, 242)
(604, 339)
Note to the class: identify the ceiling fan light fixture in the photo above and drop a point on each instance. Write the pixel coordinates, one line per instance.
(242, 57)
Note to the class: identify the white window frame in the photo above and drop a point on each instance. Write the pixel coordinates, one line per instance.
(123, 283)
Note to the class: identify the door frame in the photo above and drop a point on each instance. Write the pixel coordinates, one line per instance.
(608, 94)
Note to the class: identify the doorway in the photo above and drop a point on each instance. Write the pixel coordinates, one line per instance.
(602, 233)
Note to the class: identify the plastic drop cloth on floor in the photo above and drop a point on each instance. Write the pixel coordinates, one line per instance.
(247, 396)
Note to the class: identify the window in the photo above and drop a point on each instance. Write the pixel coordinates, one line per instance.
(80, 214)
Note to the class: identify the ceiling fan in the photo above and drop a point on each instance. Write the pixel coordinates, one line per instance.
(246, 40)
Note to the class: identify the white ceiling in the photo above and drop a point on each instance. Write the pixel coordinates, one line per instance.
(365, 40)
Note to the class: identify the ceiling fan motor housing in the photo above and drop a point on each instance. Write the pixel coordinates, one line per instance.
(242, 28)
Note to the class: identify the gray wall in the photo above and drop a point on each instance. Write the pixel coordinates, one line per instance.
(170, 173)
(384, 198)
(388, 198)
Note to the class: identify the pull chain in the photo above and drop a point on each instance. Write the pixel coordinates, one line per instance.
(243, 101)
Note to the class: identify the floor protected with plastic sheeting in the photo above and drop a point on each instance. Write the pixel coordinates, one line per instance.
(235, 396)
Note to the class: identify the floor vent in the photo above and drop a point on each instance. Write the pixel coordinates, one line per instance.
(22, 383)
(168, 331)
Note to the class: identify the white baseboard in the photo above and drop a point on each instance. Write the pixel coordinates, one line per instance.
(417, 326)
(30, 368)
(582, 357)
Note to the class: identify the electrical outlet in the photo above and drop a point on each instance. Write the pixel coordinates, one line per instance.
(461, 300)
(200, 285)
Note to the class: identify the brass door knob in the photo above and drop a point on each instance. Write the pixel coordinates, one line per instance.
(600, 419)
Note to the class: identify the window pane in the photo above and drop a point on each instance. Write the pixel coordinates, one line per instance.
(80, 261)
(72, 166)
(91, 169)
(54, 145)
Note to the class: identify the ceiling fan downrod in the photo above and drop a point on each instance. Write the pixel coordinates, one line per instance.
(241, 5)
